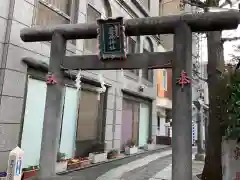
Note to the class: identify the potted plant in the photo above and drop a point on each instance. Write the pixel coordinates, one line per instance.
(131, 147)
(62, 163)
(150, 145)
(78, 163)
(112, 154)
(84, 162)
(73, 163)
(98, 154)
(30, 171)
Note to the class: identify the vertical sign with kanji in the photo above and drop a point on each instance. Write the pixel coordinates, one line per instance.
(111, 39)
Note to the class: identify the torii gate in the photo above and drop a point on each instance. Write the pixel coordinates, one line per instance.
(180, 59)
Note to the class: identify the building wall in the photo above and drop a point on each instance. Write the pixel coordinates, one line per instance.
(164, 100)
(161, 91)
(169, 7)
(18, 14)
(174, 7)
(169, 84)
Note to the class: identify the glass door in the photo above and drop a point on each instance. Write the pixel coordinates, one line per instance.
(70, 113)
(143, 124)
(127, 123)
(33, 122)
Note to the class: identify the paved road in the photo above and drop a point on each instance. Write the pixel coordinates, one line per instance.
(94, 172)
(149, 170)
(151, 166)
(119, 173)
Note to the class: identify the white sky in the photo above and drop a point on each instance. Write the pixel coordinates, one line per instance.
(228, 46)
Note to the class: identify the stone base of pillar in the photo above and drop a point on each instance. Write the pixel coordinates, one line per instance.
(199, 157)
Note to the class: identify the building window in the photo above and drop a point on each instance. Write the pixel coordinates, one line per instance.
(147, 73)
(146, 3)
(31, 136)
(88, 116)
(92, 16)
(131, 46)
(147, 47)
(53, 12)
(160, 8)
(158, 122)
(164, 79)
(168, 115)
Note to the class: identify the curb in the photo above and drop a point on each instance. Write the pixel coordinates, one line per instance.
(111, 160)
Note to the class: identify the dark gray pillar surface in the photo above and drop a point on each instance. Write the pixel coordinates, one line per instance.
(182, 105)
(200, 130)
(200, 156)
(53, 110)
(206, 128)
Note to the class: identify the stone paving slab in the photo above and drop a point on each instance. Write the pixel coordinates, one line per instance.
(122, 156)
(197, 168)
(119, 172)
(146, 171)
(166, 173)
(149, 170)
(93, 173)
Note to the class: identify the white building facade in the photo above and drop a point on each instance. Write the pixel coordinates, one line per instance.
(87, 116)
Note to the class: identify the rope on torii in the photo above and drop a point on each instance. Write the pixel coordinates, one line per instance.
(78, 80)
(123, 79)
(102, 89)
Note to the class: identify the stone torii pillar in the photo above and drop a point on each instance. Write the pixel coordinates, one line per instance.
(180, 60)
(182, 105)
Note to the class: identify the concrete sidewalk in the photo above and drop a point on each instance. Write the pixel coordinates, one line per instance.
(166, 173)
(122, 156)
(197, 168)
(92, 173)
(117, 173)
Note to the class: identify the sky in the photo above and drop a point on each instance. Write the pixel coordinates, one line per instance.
(228, 46)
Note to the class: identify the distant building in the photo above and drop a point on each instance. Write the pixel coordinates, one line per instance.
(164, 102)
(176, 7)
